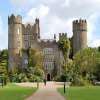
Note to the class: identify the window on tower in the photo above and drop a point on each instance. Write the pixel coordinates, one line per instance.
(18, 31)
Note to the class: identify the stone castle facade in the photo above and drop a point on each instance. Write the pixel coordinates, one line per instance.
(22, 36)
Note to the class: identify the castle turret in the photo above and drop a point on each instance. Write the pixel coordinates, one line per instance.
(79, 35)
(37, 25)
(54, 36)
(14, 38)
(62, 35)
(37, 29)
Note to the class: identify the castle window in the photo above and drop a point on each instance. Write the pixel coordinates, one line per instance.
(18, 31)
(25, 61)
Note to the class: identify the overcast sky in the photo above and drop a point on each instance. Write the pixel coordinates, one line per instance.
(55, 16)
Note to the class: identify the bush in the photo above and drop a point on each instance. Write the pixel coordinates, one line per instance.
(31, 74)
(19, 78)
(22, 77)
(62, 78)
(80, 81)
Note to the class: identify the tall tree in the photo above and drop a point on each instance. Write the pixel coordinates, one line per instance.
(99, 48)
(86, 61)
(64, 45)
(3, 62)
(35, 58)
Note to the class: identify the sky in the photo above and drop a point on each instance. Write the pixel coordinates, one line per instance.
(55, 16)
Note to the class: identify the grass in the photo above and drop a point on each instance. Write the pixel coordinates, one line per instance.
(81, 93)
(13, 92)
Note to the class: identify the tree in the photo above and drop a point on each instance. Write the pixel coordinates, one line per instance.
(35, 58)
(3, 62)
(4, 65)
(64, 45)
(34, 72)
(99, 48)
(86, 62)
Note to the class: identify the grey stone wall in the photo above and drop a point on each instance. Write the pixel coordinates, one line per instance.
(79, 35)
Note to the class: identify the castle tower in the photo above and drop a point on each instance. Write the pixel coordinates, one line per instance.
(14, 39)
(36, 31)
(79, 35)
(37, 26)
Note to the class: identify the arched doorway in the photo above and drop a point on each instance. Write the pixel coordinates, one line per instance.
(48, 77)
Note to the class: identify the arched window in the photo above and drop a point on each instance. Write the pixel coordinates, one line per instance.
(18, 31)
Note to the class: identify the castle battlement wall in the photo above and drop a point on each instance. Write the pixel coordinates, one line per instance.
(14, 19)
(61, 35)
(80, 25)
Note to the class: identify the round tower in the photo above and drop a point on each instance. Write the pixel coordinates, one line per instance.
(79, 35)
(14, 38)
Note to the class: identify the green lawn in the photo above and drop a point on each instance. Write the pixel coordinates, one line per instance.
(81, 93)
(13, 92)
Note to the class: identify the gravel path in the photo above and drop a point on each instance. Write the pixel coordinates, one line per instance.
(47, 92)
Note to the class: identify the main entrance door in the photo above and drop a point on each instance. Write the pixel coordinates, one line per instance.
(48, 77)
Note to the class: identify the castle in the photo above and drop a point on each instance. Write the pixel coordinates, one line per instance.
(21, 36)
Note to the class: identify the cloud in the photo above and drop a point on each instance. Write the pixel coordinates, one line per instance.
(56, 25)
(23, 5)
(92, 20)
(66, 3)
(41, 11)
(95, 43)
(92, 29)
(27, 3)
(57, 15)
(20, 3)
(50, 24)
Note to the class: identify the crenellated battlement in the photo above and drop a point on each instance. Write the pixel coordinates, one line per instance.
(14, 19)
(79, 25)
(61, 35)
(37, 20)
(79, 21)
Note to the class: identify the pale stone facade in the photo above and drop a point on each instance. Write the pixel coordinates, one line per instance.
(22, 37)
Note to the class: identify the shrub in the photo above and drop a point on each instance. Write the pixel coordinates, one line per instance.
(22, 77)
(80, 81)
